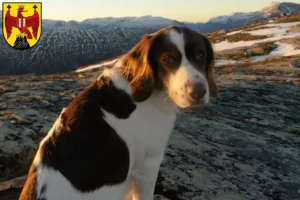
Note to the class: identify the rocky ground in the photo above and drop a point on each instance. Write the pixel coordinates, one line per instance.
(243, 146)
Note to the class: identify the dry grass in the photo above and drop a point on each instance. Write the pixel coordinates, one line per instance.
(273, 69)
(258, 28)
(294, 41)
(295, 29)
(237, 57)
(243, 53)
(291, 18)
(221, 35)
(249, 26)
(244, 37)
(276, 60)
(214, 38)
(218, 37)
(262, 48)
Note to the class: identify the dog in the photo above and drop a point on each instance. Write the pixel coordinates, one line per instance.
(114, 133)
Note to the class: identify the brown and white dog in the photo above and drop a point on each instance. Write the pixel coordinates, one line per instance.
(115, 131)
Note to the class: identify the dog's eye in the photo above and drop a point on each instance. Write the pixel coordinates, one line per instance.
(169, 60)
(199, 55)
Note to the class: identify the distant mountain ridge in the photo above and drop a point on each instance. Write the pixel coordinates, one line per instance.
(65, 46)
(241, 18)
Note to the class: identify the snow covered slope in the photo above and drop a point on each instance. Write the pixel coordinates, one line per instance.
(276, 33)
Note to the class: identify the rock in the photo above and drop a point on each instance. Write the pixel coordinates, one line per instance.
(283, 14)
(248, 53)
(80, 76)
(221, 32)
(21, 43)
(296, 82)
(295, 63)
(27, 111)
(158, 197)
(243, 146)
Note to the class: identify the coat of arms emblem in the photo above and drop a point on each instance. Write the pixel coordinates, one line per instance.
(21, 24)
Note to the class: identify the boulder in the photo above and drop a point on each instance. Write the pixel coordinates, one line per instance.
(295, 63)
(221, 32)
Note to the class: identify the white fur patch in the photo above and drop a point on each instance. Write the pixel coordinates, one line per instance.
(146, 142)
(116, 76)
(58, 187)
(54, 127)
(185, 73)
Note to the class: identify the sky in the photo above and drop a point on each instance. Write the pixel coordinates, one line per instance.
(181, 10)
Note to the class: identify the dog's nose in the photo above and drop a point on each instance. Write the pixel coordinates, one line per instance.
(196, 91)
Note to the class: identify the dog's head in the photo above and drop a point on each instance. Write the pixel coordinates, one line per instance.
(177, 59)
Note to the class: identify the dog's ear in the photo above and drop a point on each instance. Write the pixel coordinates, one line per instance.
(137, 70)
(210, 71)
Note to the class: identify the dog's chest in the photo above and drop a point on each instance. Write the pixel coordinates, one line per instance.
(148, 128)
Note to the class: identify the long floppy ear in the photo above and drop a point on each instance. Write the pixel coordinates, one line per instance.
(210, 68)
(137, 70)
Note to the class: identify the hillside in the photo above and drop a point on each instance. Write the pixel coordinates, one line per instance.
(244, 145)
(237, 19)
(65, 46)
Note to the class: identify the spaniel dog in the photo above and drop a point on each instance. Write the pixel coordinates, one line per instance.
(109, 142)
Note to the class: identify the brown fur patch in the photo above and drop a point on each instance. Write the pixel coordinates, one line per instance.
(137, 70)
(29, 189)
(82, 111)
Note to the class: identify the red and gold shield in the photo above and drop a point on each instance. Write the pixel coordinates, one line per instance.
(22, 24)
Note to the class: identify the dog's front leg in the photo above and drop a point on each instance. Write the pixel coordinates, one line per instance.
(145, 178)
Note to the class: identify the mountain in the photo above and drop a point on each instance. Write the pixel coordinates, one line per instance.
(147, 21)
(198, 26)
(64, 46)
(240, 18)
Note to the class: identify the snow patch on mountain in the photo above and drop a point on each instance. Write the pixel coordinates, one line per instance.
(279, 31)
(268, 10)
(274, 29)
(224, 62)
(283, 49)
(234, 32)
(91, 67)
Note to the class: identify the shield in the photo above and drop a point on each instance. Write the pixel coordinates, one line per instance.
(22, 24)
